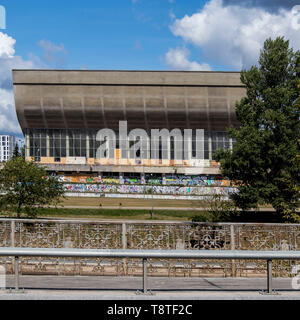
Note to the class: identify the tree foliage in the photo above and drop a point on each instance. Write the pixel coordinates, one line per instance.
(16, 152)
(264, 161)
(25, 186)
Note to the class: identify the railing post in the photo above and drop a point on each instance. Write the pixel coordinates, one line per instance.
(124, 238)
(12, 233)
(269, 280)
(232, 247)
(145, 279)
(124, 246)
(16, 273)
(12, 241)
(144, 275)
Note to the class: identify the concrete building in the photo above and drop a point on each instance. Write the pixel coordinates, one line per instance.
(7, 147)
(60, 113)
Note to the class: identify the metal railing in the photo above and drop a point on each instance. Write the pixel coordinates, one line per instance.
(150, 254)
(89, 234)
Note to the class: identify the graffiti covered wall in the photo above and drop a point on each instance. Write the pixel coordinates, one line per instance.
(175, 180)
(140, 189)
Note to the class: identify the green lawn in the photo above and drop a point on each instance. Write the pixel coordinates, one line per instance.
(100, 214)
(143, 214)
(86, 202)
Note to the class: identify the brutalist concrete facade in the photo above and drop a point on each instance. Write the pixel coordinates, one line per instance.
(61, 111)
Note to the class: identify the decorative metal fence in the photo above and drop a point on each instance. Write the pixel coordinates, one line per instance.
(141, 235)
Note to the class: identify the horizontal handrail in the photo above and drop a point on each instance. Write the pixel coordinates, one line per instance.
(112, 222)
(150, 254)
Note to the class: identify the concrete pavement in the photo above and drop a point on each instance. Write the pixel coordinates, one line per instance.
(162, 288)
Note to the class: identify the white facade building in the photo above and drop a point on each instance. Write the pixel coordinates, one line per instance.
(7, 147)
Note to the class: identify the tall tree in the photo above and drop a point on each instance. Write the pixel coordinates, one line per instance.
(26, 186)
(264, 161)
(16, 152)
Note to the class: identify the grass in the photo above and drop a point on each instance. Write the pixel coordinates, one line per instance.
(138, 209)
(143, 214)
(110, 214)
(141, 203)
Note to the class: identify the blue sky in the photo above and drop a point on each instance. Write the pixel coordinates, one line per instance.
(188, 35)
(98, 34)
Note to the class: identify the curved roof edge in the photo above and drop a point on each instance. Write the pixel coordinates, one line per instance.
(126, 77)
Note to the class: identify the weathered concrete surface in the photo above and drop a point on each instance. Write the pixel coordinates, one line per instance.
(125, 288)
(213, 78)
(146, 99)
(131, 168)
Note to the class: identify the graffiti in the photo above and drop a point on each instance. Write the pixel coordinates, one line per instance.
(210, 181)
(145, 189)
(132, 180)
(178, 180)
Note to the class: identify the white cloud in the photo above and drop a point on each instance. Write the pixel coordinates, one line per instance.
(8, 120)
(271, 5)
(53, 54)
(9, 61)
(233, 35)
(6, 46)
(172, 15)
(178, 59)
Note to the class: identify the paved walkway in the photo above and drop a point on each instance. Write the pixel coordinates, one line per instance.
(162, 288)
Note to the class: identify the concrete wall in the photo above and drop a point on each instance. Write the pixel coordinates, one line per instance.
(149, 100)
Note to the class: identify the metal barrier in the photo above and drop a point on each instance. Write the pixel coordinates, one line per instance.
(148, 254)
(142, 235)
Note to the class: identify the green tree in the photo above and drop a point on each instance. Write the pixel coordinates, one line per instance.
(25, 186)
(23, 152)
(264, 161)
(16, 152)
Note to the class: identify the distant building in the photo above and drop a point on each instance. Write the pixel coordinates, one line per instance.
(20, 142)
(101, 130)
(7, 147)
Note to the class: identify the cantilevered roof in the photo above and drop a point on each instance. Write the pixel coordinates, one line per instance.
(146, 99)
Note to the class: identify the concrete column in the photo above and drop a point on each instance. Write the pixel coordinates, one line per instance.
(143, 178)
(121, 177)
(209, 145)
(87, 146)
(27, 145)
(47, 145)
(67, 145)
(164, 182)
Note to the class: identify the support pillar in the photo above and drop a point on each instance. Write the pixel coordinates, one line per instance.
(27, 145)
(209, 145)
(87, 146)
(269, 290)
(67, 145)
(164, 182)
(47, 145)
